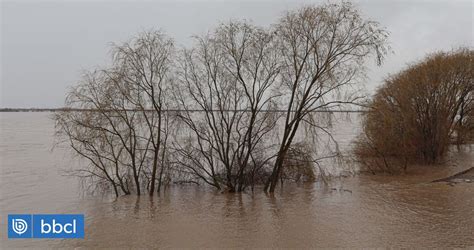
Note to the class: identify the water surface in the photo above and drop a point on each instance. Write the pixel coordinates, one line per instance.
(359, 211)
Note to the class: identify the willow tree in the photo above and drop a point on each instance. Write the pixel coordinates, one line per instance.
(99, 127)
(417, 112)
(323, 50)
(119, 119)
(229, 78)
(142, 69)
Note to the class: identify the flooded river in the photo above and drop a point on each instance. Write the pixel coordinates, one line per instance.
(358, 211)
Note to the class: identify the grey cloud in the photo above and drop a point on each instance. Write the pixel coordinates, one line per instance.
(45, 45)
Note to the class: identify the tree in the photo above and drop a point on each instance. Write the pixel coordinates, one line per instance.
(323, 50)
(103, 131)
(142, 71)
(228, 76)
(122, 107)
(415, 114)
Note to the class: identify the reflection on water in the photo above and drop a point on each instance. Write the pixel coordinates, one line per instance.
(360, 211)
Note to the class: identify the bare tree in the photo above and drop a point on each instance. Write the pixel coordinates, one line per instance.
(105, 132)
(143, 67)
(323, 51)
(124, 103)
(229, 78)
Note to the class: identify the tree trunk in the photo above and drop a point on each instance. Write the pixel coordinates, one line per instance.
(153, 172)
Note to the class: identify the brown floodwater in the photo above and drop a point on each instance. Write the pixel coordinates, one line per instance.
(359, 211)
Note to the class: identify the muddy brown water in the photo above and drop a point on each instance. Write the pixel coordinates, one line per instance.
(359, 211)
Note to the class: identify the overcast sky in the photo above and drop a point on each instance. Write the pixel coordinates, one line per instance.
(46, 45)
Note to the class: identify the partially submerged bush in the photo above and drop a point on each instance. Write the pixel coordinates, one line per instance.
(299, 165)
(415, 115)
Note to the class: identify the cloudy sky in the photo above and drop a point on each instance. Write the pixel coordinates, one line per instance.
(46, 45)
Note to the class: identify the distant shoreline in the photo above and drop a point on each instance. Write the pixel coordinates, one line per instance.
(167, 110)
(30, 109)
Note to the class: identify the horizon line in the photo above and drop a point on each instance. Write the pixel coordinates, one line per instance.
(170, 110)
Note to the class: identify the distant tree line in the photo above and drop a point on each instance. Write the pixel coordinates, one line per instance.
(311, 60)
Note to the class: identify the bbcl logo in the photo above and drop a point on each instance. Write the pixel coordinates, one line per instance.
(46, 226)
(19, 226)
(57, 228)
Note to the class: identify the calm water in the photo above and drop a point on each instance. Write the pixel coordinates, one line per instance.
(359, 211)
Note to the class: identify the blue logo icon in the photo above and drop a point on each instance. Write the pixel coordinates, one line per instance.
(46, 226)
(19, 226)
